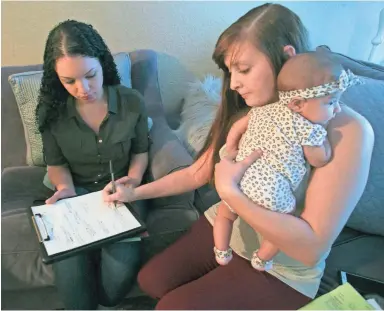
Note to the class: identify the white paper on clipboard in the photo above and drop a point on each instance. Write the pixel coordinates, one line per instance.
(78, 221)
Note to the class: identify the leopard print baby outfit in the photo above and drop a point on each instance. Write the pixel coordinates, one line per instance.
(280, 134)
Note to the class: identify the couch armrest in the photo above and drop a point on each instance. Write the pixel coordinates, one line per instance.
(358, 67)
(171, 218)
(167, 155)
(20, 186)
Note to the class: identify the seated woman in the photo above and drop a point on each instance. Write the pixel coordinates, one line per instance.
(251, 53)
(87, 119)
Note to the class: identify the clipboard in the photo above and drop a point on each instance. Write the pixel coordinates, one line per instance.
(37, 222)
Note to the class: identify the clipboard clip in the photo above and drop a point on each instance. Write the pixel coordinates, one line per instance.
(36, 220)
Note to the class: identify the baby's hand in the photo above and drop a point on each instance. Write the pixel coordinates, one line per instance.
(234, 135)
(225, 152)
(231, 148)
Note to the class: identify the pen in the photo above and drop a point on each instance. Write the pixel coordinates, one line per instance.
(112, 180)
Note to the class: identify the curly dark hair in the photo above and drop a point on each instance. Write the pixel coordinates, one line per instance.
(69, 38)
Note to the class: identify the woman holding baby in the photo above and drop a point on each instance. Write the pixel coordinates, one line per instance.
(251, 53)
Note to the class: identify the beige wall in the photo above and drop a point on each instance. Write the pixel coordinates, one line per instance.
(187, 30)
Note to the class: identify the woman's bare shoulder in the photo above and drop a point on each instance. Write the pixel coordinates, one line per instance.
(350, 121)
(342, 181)
(351, 137)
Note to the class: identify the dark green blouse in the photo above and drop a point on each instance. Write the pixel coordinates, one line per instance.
(70, 141)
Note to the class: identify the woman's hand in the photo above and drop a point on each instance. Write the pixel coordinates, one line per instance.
(229, 173)
(61, 194)
(125, 190)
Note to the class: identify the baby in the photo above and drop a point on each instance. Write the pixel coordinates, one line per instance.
(290, 132)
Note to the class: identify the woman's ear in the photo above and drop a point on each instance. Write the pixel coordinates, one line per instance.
(289, 50)
(296, 104)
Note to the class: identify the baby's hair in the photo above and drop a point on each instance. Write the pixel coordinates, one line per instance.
(308, 70)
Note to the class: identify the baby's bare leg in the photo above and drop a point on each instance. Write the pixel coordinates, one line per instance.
(262, 258)
(267, 250)
(222, 230)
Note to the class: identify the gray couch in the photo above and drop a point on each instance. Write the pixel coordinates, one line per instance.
(29, 284)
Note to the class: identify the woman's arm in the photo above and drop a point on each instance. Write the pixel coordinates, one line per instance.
(61, 178)
(332, 194)
(178, 182)
(318, 156)
(185, 180)
(137, 167)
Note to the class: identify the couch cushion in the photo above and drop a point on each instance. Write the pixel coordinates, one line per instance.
(26, 86)
(43, 298)
(20, 186)
(362, 255)
(21, 262)
(21, 265)
(167, 155)
(368, 100)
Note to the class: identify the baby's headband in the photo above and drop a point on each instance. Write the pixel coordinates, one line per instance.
(346, 80)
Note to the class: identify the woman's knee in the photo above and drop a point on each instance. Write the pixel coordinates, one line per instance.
(159, 276)
(76, 282)
(119, 259)
(150, 281)
(73, 269)
(112, 293)
(119, 266)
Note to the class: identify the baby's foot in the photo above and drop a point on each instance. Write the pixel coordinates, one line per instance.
(260, 264)
(223, 257)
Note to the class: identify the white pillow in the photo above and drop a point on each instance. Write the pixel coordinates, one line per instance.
(198, 112)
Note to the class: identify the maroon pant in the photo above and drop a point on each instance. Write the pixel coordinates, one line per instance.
(186, 276)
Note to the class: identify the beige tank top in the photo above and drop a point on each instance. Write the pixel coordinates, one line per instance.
(245, 241)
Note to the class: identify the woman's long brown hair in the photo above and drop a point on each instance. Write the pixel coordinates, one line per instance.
(269, 27)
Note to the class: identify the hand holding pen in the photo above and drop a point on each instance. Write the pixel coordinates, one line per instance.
(112, 180)
(121, 190)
